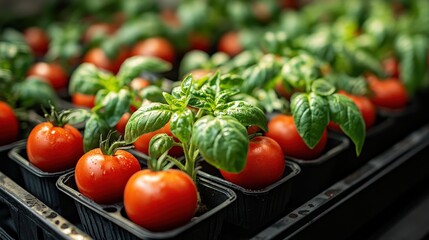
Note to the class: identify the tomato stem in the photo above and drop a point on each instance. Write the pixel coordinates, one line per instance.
(57, 119)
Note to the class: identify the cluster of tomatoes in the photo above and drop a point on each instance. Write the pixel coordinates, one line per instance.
(110, 174)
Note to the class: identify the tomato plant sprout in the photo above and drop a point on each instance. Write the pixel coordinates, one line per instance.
(216, 130)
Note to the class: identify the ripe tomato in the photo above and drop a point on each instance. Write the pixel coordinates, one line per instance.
(388, 93)
(230, 44)
(265, 165)
(142, 143)
(391, 67)
(365, 106)
(156, 47)
(282, 129)
(168, 199)
(37, 39)
(198, 41)
(9, 124)
(103, 177)
(139, 83)
(120, 126)
(83, 100)
(98, 29)
(54, 148)
(97, 57)
(52, 72)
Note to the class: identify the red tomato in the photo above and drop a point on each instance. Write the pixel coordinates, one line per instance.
(391, 67)
(388, 93)
(282, 129)
(253, 129)
(38, 40)
(170, 18)
(97, 29)
(230, 43)
(168, 199)
(280, 89)
(9, 124)
(156, 47)
(139, 83)
(365, 106)
(83, 100)
(52, 72)
(199, 42)
(120, 126)
(265, 165)
(54, 149)
(200, 73)
(142, 143)
(97, 57)
(103, 177)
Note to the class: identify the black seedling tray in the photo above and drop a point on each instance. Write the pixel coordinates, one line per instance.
(32, 219)
(317, 174)
(255, 209)
(110, 221)
(43, 184)
(343, 208)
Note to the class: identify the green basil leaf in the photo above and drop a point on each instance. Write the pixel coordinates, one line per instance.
(244, 112)
(311, 115)
(16, 57)
(152, 93)
(94, 128)
(34, 92)
(323, 87)
(134, 66)
(300, 70)
(222, 142)
(186, 85)
(192, 60)
(86, 79)
(147, 118)
(159, 144)
(344, 112)
(181, 124)
(258, 76)
(114, 105)
(412, 52)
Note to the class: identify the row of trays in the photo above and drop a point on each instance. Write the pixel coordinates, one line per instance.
(41, 205)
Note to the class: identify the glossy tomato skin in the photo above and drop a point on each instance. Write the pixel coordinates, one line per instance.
(122, 123)
(391, 67)
(37, 39)
(365, 106)
(142, 143)
(52, 72)
(9, 124)
(265, 165)
(156, 47)
(97, 57)
(230, 43)
(102, 178)
(83, 100)
(168, 199)
(389, 93)
(282, 129)
(54, 149)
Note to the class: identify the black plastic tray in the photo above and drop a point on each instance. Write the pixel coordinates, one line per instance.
(254, 209)
(319, 173)
(110, 221)
(340, 210)
(31, 218)
(43, 184)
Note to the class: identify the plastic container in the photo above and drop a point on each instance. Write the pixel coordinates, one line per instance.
(317, 174)
(32, 219)
(254, 209)
(43, 184)
(341, 210)
(9, 167)
(110, 221)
